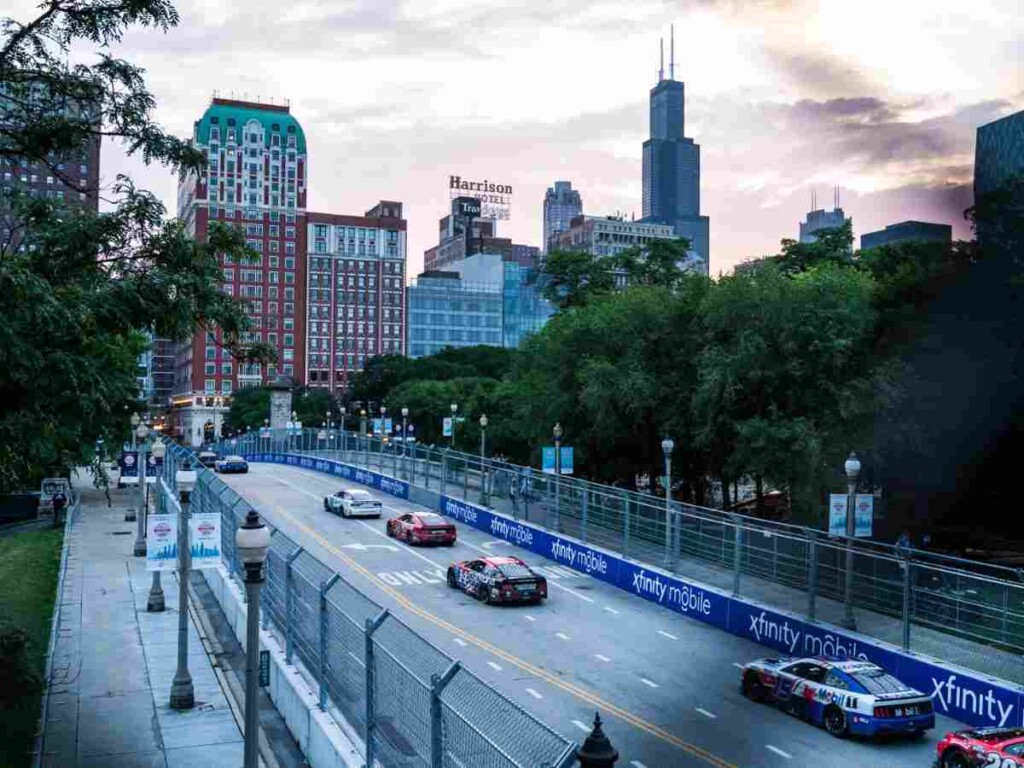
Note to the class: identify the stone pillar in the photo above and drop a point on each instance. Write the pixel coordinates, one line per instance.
(280, 403)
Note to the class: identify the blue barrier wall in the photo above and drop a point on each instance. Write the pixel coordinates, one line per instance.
(963, 695)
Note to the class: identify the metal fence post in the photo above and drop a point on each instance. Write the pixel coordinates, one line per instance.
(444, 471)
(737, 556)
(325, 587)
(289, 644)
(437, 686)
(812, 572)
(908, 566)
(465, 481)
(583, 514)
(371, 626)
(625, 525)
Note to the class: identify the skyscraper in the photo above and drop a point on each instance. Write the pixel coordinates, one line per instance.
(562, 204)
(819, 218)
(256, 180)
(671, 193)
(998, 153)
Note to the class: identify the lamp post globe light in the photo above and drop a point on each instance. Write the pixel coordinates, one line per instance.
(182, 690)
(341, 421)
(557, 433)
(455, 409)
(139, 550)
(852, 468)
(252, 539)
(667, 446)
(483, 458)
(155, 603)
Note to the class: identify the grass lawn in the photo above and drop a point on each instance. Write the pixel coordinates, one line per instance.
(29, 565)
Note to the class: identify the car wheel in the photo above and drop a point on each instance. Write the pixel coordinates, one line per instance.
(955, 758)
(835, 721)
(451, 579)
(482, 594)
(752, 687)
(450, 543)
(326, 507)
(391, 534)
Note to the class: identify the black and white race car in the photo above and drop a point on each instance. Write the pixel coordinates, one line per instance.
(498, 580)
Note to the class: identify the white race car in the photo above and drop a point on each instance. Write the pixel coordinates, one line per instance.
(353, 502)
(846, 696)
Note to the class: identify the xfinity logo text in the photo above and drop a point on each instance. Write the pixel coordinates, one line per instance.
(949, 695)
(649, 585)
(366, 478)
(514, 532)
(763, 628)
(393, 487)
(460, 511)
(580, 557)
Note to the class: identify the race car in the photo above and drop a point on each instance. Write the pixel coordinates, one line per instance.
(988, 747)
(498, 580)
(208, 459)
(230, 464)
(846, 696)
(422, 528)
(353, 502)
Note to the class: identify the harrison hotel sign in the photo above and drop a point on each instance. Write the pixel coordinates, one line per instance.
(495, 199)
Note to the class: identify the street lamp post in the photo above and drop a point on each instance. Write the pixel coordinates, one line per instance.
(455, 409)
(483, 455)
(405, 439)
(266, 424)
(557, 432)
(252, 539)
(129, 512)
(182, 691)
(342, 422)
(852, 468)
(361, 445)
(383, 431)
(666, 446)
(155, 603)
(139, 550)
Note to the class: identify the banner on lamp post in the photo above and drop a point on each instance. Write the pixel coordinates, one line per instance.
(204, 535)
(161, 542)
(865, 513)
(837, 509)
(447, 427)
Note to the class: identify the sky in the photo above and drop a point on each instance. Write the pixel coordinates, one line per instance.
(785, 97)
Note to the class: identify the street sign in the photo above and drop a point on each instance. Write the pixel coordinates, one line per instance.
(264, 669)
(838, 503)
(447, 429)
(548, 459)
(204, 532)
(161, 542)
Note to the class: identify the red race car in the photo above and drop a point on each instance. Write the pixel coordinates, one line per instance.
(498, 580)
(982, 748)
(422, 528)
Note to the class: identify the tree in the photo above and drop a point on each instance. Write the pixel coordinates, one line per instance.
(659, 262)
(249, 407)
(572, 278)
(832, 245)
(94, 282)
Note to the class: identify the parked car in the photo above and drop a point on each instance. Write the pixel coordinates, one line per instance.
(231, 464)
(353, 502)
(846, 696)
(498, 580)
(208, 459)
(422, 528)
(999, 747)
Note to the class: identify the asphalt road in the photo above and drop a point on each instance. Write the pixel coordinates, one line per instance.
(666, 686)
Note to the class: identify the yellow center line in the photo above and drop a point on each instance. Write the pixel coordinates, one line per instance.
(581, 693)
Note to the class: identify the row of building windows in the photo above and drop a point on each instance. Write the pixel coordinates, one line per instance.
(455, 335)
(425, 318)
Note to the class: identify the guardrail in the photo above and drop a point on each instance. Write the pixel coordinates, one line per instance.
(956, 609)
(413, 704)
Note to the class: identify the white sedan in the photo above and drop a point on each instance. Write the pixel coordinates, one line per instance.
(353, 502)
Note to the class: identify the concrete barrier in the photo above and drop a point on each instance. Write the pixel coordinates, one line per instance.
(321, 739)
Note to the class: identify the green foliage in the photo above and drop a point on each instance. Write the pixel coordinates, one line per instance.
(249, 407)
(657, 263)
(572, 278)
(833, 245)
(78, 290)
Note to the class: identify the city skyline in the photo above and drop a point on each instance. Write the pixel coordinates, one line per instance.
(782, 96)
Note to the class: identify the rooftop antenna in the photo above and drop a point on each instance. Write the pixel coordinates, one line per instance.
(661, 69)
(672, 54)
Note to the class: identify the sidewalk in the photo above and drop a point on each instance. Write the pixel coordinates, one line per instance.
(113, 662)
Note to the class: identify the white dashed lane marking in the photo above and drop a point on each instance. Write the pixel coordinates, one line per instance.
(647, 682)
(611, 610)
(599, 657)
(495, 667)
(637, 764)
(710, 715)
(777, 751)
(534, 693)
(459, 641)
(528, 617)
(583, 727)
(738, 666)
(562, 636)
(667, 634)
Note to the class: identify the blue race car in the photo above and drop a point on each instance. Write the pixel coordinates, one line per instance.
(231, 464)
(846, 696)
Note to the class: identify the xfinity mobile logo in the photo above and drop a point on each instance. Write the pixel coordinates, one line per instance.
(516, 532)
(393, 487)
(683, 597)
(948, 694)
(364, 477)
(767, 630)
(584, 559)
(460, 511)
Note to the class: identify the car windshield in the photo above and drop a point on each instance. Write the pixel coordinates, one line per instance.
(360, 495)
(431, 519)
(514, 570)
(234, 458)
(879, 682)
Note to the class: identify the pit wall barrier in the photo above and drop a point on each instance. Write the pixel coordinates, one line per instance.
(961, 694)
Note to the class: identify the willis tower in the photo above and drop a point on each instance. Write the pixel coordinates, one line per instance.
(672, 165)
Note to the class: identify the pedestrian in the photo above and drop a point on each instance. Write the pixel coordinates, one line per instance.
(903, 543)
(59, 501)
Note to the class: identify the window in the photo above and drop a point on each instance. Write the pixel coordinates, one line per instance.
(225, 387)
(211, 353)
(229, 274)
(289, 277)
(211, 368)
(275, 230)
(289, 340)
(289, 247)
(225, 369)
(275, 246)
(289, 263)
(289, 322)
(211, 387)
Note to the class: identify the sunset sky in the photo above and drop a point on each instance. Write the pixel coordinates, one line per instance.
(784, 97)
